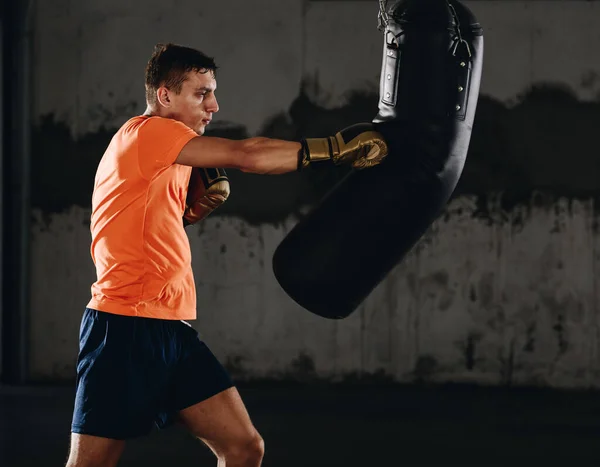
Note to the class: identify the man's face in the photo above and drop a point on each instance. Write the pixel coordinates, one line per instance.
(196, 103)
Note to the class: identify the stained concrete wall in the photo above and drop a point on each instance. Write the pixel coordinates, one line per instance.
(501, 290)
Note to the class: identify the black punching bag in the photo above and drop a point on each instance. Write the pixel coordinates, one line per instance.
(431, 71)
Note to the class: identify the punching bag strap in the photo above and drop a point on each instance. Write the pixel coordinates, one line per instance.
(389, 80)
(461, 53)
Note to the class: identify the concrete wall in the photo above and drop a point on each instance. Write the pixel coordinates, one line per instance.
(501, 290)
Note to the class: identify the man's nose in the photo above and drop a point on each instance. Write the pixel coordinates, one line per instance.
(213, 105)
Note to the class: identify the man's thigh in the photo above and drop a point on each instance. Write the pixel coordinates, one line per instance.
(89, 450)
(221, 421)
(204, 399)
(197, 376)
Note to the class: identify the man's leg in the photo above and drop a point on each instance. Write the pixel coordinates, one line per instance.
(223, 423)
(203, 398)
(93, 451)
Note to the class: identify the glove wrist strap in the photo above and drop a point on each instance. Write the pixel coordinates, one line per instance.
(315, 150)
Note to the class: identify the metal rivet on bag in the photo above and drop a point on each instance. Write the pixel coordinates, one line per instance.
(389, 76)
(387, 94)
(461, 89)
(463, 64)
(458, 107)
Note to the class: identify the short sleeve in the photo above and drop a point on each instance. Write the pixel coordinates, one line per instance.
(160, 140)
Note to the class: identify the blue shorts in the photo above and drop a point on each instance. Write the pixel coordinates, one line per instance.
(134, 373)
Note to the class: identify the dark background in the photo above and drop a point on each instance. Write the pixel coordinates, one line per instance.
(480, 349)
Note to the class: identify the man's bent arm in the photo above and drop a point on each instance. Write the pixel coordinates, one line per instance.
(255, 155)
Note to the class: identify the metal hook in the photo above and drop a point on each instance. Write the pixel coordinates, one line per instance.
(458, 32)
(461, 41)
(391, 42)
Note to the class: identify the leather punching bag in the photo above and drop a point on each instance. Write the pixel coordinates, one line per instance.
(430, 76)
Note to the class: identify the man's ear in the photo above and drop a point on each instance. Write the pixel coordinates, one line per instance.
(163, 97)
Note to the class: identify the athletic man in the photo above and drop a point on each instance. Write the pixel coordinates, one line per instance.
(139, 362)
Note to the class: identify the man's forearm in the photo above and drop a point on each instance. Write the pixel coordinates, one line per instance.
(270, 156)
(359, 145)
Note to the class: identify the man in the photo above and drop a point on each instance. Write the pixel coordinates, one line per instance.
(139, 362)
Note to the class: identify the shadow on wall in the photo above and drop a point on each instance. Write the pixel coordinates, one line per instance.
(547, 142)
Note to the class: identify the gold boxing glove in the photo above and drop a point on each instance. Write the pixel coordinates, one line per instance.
(358, 145)
(207, 190)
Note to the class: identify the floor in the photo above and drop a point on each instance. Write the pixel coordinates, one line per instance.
(308, 425)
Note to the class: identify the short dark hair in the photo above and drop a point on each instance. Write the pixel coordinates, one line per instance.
(169, 64)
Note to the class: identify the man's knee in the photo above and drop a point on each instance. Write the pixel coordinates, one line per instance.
(246, 451)
(257, 446)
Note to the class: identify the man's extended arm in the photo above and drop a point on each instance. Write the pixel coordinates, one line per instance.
(359, 145)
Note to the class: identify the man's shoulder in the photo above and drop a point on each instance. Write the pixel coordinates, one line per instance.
(133, 123)
(153, 123)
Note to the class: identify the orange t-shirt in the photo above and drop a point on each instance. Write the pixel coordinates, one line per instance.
(139, 246)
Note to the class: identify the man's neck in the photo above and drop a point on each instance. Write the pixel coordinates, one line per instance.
(149, 112)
